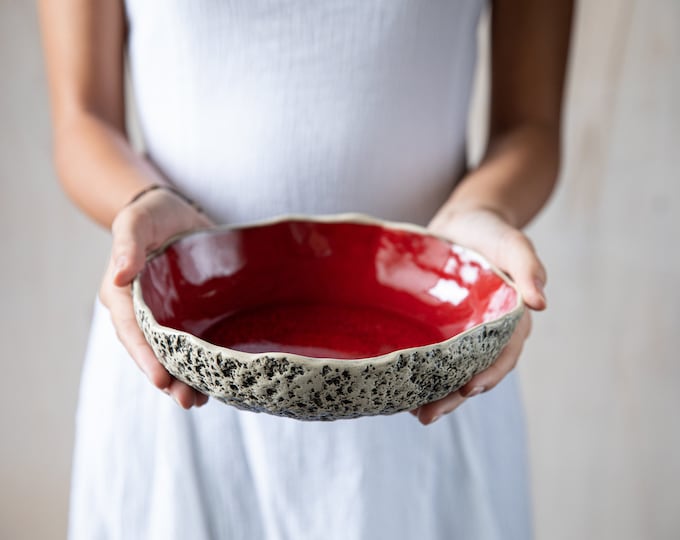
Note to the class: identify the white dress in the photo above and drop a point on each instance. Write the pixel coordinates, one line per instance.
(262, 107)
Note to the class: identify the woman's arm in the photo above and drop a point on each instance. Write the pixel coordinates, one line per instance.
(530, 42)
(529, 45)
(84, 49)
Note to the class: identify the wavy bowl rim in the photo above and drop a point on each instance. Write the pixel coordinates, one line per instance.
(350, 217)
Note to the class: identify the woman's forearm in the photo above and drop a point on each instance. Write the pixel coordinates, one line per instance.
(84, 53)
(97, 167)
(529, 48)
(515, 178)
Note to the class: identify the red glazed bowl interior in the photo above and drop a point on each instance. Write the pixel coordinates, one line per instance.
(323, 289)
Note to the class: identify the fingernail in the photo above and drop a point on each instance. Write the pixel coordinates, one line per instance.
(540, 286)
(475, 391)
(437, 417)
(121, 262)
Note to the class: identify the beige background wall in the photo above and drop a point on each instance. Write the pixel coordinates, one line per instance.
(601, 372)
(50, 260)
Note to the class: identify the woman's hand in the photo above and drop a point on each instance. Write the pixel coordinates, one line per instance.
(138, 229)
(508, 248)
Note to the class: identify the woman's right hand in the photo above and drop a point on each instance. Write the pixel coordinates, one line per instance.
(138, 229)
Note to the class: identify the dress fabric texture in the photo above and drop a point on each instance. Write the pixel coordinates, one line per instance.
(256, 108)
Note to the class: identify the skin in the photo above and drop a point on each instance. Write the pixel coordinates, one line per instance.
(84, 44)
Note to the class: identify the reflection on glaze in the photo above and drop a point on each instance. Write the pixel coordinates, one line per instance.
(345, 290)
(447, 290)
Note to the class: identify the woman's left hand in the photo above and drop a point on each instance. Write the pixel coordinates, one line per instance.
(488, 233)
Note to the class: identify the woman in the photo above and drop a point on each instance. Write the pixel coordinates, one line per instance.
(260, 107)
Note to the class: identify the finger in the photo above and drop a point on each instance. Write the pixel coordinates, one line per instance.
(119, 303)
(201, 399)
(132, 239)
(184, 395)
(506, 362)
(516, 256)
(427, 414)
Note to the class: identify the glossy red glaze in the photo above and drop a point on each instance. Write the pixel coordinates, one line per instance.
(331, 290)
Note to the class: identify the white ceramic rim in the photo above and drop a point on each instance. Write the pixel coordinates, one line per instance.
(352, 217)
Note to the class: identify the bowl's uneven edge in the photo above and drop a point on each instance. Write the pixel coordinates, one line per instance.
(327, 389)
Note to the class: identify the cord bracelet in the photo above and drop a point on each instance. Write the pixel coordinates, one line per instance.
(171, 189)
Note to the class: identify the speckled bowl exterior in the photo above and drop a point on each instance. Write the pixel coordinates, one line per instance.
(308, 388)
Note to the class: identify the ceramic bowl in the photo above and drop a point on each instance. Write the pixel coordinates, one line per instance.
(322, 318)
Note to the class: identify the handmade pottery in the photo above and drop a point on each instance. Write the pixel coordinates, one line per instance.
(322, 318)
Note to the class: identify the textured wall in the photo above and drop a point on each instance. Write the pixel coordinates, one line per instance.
(600, 372)
(51, 258)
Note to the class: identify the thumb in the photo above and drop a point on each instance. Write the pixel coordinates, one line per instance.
(131, 238)
(518, 258)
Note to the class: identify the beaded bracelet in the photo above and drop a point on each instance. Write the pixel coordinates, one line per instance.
(171, 189)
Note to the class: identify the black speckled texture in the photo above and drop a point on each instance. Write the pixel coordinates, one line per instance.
(317, 389)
